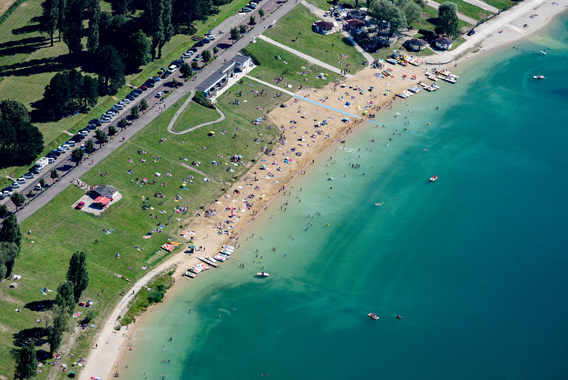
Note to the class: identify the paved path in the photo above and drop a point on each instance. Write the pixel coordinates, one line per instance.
(271, 85)
(461, 16)
(304, 56)
(182, 108)
(483, 5)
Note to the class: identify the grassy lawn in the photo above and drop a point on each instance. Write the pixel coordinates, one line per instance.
(29, 62)
(471, 10)
(295, 70)
(501, 4)
(430, 20)
(295, 30)
(58, 230)
(194, 114)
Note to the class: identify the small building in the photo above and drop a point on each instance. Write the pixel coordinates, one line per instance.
(443, 43)
(356, 15)
(416, 44)
(323, 27)
(105, 191)
(216, 81)
(354, 25)
(102, 202)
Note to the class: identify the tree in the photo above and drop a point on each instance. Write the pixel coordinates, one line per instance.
(242, 29)
(8, 254)
(42, 182)
(78, 273)
(14, 111)
(26, 364)
(186, 70)
(54, 175)
(89, 145)
(50, 17)
(252, 20)
(175, 82)
(72, 27)
(61, 5)
(413, 12)
(167, 24)
(65, 297)
(215, 50)
(3, 210)
(101, 136)
(448, 19)
(120, 7)
(206, 55)
(137, 52)
(58, 326)
(112, 130)
(235, 35)
(155, 21)
(194, 65)
(18, 199)
(143, 106)
(20, 143)
(135, 112)
(386, 10)
(111, 69)
(77, 155)
(10, 231)
(261, 13)
(94, 11)
(122, 123)
(90, 91)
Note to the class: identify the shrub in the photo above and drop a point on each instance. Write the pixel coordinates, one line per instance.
(199, 98)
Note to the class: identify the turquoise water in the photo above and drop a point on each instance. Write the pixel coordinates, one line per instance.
(475, 263)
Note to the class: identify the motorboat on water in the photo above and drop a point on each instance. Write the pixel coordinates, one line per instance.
(433, 178)
(543, 51)
(373, 316)
(538, 76)
(262, 274)
(189, 274)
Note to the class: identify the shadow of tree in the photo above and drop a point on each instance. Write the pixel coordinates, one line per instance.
(37, 66)
(27, 29)
(23, 46)
(40, 306)
(35, 334)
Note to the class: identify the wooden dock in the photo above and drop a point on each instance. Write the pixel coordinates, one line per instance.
(207, 261)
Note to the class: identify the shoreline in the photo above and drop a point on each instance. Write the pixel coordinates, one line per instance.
(104, 362)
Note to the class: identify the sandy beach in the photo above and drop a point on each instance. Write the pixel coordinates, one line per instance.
(309, 128)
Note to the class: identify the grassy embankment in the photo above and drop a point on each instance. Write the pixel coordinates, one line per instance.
(295, 30)
(295, 70)
(194, 114)
(58, 230)
(29, 62)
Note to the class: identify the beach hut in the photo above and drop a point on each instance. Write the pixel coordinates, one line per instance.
(416, 44)
(443, 43)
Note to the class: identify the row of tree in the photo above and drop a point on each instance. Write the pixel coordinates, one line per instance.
(402, 13)
(20, 141)
(68, 295)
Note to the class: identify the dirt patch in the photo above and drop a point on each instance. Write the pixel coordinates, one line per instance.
(8, 298)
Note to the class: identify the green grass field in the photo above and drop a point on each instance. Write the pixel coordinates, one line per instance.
(430, 20)
(295, 30)
(295, 70)
(58, 230)
(194, 114)
(501, 4)
(471, 10)
(29, 62)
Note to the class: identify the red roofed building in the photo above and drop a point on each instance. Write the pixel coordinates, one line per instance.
(102, 202)
(354, 25)
(323, 27)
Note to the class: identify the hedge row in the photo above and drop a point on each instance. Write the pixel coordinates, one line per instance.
(11, 10)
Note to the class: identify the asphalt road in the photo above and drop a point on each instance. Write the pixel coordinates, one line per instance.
(274, 10)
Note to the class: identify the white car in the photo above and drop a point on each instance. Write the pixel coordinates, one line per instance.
(28, 176)
(37, 187)
(21, 180)
(15, 185)
(160, 94)
(210, 37)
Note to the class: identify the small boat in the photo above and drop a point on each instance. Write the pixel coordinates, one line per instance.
(538, 77)
(262, 274)
(391, 61)
(189, 274)
(543, 51)
(398, 317)
(373, 316)
(379, 203)
(414, 89)
(433, 178)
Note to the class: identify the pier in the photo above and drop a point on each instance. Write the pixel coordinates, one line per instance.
(209, 262)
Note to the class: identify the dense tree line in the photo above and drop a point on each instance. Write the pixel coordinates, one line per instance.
(399, 13)
(68, 92)
(20, 141)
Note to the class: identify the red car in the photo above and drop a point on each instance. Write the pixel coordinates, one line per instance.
(80, 205)
(144, 88)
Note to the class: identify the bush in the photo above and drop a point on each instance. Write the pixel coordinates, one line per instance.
(89, 317)
(199, 98)
(156, 296)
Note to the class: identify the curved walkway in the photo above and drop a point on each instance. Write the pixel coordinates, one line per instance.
(182, 108)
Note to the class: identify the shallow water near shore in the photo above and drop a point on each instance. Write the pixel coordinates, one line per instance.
(474, 263)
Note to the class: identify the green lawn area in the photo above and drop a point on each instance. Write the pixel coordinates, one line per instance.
(295, 70)
(501, 4)
(430, 20)
(58, 230)
(295, 30)
(471, 10)
(194, 114)
(29, 62)
(326, 4)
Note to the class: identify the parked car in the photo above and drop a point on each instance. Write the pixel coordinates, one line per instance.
(28, 176)
(7, 191)
(84, 133)
(37, 187)
(251, 5)
(186, 55)
(15, 185)
(97, 122)
(246, 9)
(118, 106)
(80, 205)
(2, 196)
(144, 88)
(105, 120)
(210, 37)
(177, 62)
(197, 57)
(160, 94)
(471, 32)
(137, 91)
(149, 84)
(71, 143)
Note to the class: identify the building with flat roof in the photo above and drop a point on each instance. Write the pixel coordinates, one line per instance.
(219, 79)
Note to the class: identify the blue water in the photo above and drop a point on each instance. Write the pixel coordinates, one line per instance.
(475, 263)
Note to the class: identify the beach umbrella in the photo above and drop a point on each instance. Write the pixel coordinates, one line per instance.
(345, 119)
(347, 103)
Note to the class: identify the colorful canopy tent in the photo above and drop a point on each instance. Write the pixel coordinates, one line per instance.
(102, 201)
